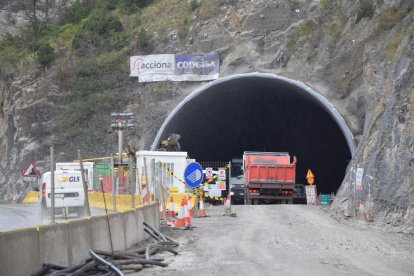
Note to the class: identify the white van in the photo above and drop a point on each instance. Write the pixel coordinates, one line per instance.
(69, 192)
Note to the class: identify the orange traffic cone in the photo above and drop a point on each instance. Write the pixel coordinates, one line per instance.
(180, 221)
(201, 210)
(189, 206)
(227, 204)
(171, 213)
(186, 213)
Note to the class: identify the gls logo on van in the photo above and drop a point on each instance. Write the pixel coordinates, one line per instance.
(66, 178)
(74, 179)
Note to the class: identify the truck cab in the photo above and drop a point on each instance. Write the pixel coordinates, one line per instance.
(236, 181)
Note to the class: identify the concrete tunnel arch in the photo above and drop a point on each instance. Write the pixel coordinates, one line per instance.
(263, 112)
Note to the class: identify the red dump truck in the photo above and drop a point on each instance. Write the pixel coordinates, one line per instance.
(269, 177)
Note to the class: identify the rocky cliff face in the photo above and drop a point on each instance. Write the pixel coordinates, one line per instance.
(358, 54)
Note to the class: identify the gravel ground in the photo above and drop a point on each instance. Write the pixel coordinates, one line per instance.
(284, 240)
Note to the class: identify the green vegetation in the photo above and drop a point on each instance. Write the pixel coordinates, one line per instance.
(144, 42)
(13, 53)
(334, 27)
(391, 15)
(324, 4)
(312, 56)
(305, 29)
(45, 54)
(366, 9)
(76, 12)
(392, 46)
(98, 32)
(195, 4)
(128, 6)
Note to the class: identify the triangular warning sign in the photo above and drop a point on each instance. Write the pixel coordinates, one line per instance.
(309, 174)
(30, 171)
(310, 177)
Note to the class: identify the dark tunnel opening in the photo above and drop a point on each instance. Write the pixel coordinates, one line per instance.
(255, 113)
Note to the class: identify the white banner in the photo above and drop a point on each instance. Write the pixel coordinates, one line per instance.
(152, 65)
(179, 67)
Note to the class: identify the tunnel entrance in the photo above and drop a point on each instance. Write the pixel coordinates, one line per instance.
(264, 112)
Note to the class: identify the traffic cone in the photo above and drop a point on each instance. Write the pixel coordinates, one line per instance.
(227, 204)
(189, 206)
(201, 211)
(170, 212)
(180, 220)
(144, 189)
(187, 218)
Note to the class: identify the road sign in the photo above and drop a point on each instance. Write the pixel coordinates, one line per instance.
(358, 178)
(30, 171)
(221, 174)
(209, 173)
(221, 185)
(311, 194)
(310, 177)
(193, 174)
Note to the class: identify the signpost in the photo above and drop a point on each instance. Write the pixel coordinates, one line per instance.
(310, 177)
(193, 175)
(310, 189)
(120, 122)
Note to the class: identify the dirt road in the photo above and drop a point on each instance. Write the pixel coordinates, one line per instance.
(285, 240)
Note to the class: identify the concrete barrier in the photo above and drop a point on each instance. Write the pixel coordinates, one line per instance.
(19, 251)
(23, 251)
